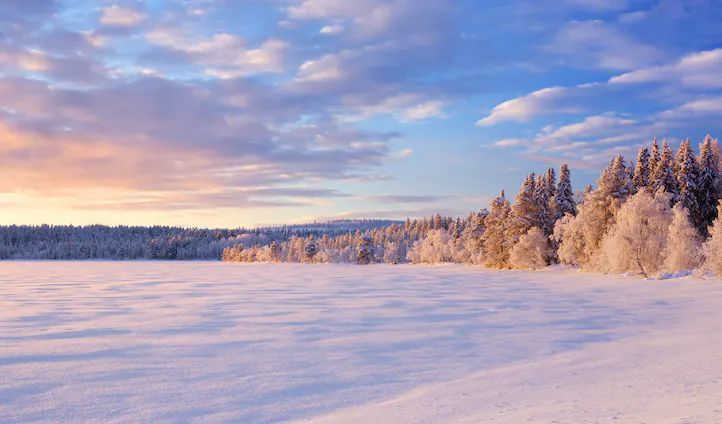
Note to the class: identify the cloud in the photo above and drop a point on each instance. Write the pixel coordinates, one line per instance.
(508, 142)
(598, 44)
(524, 108)
(325, 68)
(404, 198)
(599, 5)
(331, 29)
(696, 70)
(121, 16)
(223, 55)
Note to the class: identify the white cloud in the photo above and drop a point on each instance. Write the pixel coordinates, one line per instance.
(528, 106)
(599, 5)
(406, 107)
(598, 44)
(423, 111)
(698, 70)
(508, 142)
(326, 68)
(121, 16)
(224, 55)
(331, 29)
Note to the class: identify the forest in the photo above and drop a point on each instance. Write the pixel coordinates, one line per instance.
(656, 215)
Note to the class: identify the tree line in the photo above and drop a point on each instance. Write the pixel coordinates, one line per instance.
(658, 214)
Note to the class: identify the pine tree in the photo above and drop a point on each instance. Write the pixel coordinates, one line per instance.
(663, 176)
(687, 175)
(653, 158)
(563, 195)
(550, 182)
(310, 250)
(525, 209)
(495, 238)
(640, 180)
(708, 193)
(615, 183)
(544, 217)
(365, 251)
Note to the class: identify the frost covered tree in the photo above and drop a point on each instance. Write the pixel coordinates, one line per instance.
(712, 248)
(365, 251)
(653, 159)
(472, 249)
(544, 196)
(682, 251)
(663, 175)
(638, 236)
(434, 248)
(394, 252)
(495, 239)
(525, 210)
(563, 195)
(579, 237)
(310, 250)
(708, 184)
(615, 184)
(640, 180)
(532, 251)
(687, 175)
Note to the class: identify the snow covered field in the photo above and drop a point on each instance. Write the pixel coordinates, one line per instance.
(228, 342)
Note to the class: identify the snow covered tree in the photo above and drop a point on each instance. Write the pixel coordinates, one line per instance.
(525, 210)
(472, 244)
(579, 237)
(640, 180)
(709, 176)
(310, 250)
(365, 251)
(531, 251)
(275, 251)
(433, 249)
(563, 195)
(495, 238)
(638, 236)
(687, 175)
(394, 252)
(615, 185)
(653, 159)
(712, 248)
(663, 175)
(542, 199)
(682, 250)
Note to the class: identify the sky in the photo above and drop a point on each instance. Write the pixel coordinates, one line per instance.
(227, 113)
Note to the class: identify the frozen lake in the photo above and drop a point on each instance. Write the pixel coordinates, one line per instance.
(228, 342)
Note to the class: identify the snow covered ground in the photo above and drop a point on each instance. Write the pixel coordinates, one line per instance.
(226, 342)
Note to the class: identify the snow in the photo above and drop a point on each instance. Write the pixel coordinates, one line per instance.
(229, 342)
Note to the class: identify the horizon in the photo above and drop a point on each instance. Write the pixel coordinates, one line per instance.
(214, 114)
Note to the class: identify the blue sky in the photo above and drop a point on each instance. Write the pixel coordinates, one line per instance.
(226, 113)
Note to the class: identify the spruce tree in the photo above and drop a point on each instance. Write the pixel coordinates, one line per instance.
(640, 180)
(687, 175)
(653, 158)
(525, 209)
(563, 195)
(663, 176)
(708, 193)
(495, 238)
(615, 182)
(542, 201)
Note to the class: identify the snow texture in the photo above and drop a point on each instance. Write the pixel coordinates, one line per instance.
(228, 342)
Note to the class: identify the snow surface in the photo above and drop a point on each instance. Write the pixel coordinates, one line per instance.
(227, 342)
